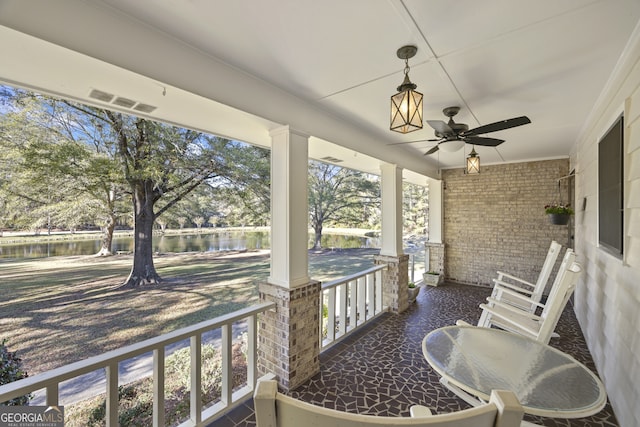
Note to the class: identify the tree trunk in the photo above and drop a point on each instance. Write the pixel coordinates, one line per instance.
(143, 271)
(317, 243)
(107, 238)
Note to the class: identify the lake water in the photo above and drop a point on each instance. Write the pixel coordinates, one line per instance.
(209, 242)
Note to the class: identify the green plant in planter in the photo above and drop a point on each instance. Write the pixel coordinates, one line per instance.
(412, 285)
(558, 209)
(432, 278)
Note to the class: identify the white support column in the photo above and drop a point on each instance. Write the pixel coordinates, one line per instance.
(435, 250)
(435, 210)
(289, 208)
(290, 336)
(391, 235)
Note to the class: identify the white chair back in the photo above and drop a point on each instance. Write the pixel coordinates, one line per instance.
(520, 319)
(274, 409)
(558, 298)
(545, 271)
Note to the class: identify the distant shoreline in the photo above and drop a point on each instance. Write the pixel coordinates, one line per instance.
(17, 237)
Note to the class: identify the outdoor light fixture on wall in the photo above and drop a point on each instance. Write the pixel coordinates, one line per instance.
(406, 105)
(473, 162)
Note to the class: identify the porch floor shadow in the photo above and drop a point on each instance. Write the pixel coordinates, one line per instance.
(380, 369)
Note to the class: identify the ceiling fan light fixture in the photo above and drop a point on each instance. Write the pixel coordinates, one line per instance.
(473, 162)
(406, 105)
(452, 145)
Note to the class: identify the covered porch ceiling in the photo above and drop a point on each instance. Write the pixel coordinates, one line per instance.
(328, 68)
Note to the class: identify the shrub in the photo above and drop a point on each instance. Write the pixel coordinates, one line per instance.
(136, 407)
(178, 367)
(10, 371)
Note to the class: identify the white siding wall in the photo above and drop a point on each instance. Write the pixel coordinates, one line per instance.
(607, 303)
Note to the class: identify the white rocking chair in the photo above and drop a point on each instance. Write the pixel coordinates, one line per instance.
(274, 409)
(532, 290)
(522, 321)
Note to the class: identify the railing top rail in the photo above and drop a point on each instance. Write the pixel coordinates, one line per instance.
(354, 276)
(75, 369)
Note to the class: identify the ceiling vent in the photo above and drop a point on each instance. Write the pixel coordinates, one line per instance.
(124, 102)
(121, 101)
(144, 108)
(331, 159)
(100, 95)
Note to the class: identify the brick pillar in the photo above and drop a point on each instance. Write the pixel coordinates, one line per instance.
(436, 257)
(289, 338)
(395, 281)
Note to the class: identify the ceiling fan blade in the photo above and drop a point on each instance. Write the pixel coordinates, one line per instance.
(433, 150)
(501, 125)
(440, 127)
(484, 141)
(414, 141)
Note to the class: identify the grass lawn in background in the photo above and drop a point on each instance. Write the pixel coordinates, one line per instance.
(55, 311)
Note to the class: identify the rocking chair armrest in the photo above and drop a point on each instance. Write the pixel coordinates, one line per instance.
(419, 411)
(518, 295)
(502, 274)
(502, 318)
(500, 283)
(510, 308)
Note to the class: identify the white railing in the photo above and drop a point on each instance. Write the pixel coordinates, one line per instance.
(350, 302)
(50, 380)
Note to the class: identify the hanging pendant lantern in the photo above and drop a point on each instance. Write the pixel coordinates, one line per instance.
(406, 105)
(473, 162)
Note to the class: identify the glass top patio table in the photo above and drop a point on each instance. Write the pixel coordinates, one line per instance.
(548, 382)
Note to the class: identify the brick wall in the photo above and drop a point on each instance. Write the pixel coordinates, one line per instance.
(495, 220)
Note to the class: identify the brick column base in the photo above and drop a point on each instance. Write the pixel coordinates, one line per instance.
(395, 281)
(289, 337)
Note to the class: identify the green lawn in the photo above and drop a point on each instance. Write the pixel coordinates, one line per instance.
(55, 311)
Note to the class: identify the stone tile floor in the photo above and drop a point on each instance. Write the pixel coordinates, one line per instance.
(380, 370)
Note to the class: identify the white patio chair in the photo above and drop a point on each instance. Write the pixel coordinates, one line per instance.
(534, 294)
(533, 290)
(522, 321)
(274, 409)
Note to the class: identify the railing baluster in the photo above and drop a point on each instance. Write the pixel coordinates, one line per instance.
(378, 286)
(342, 326)
(353, 304)
(227, 369)
(158, 387)
(371, 296)
(331, 310)
(252, 351)
(52, 394)
(196, 379)
(111, 372)
(362, 300)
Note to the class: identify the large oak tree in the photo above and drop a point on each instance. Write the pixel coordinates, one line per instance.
(84, 153)
(339, 196)
(161, 164)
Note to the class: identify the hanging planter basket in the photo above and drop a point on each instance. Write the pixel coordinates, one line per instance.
(559, 213)
(559, 219)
